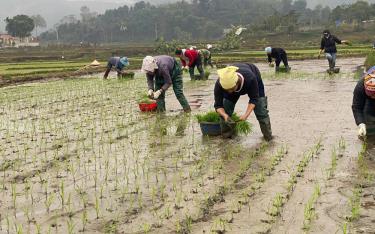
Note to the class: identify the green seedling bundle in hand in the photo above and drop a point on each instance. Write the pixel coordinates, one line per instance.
(241, 127)
(144, 99)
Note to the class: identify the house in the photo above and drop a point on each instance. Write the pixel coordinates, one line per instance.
(7, 40)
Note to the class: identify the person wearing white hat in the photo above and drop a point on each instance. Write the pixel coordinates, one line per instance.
(119, 63)
(235, 81)
(162, 72)
(279, 55)
(207, 56)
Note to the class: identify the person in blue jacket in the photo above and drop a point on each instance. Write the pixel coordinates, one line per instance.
(119, 63)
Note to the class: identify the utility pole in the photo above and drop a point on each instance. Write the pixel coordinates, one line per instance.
(156, 31)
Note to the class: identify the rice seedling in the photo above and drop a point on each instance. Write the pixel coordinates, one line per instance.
(276, 205)
(220, 225)
(309, 210)
(355, 204)
(71, 226)
(84, 220)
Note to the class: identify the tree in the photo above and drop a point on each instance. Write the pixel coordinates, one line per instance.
(69, 19)
(39, 22)
(87, 15)
(286, 6)
(299, 5)
(19, 26)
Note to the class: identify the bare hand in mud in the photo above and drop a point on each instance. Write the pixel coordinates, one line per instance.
(226, 117)
(229, 120)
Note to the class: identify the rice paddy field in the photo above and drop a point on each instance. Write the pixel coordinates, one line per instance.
(38, 67)
(77, 156)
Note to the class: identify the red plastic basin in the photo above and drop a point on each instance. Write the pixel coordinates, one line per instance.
(148, 107)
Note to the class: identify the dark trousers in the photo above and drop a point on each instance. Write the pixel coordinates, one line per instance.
(283, 57)
(177, 84)
(197, 63)
(207, 61)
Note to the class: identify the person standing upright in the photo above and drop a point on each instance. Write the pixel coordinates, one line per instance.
(328, 45)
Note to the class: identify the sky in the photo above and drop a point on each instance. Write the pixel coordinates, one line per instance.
(54, 10)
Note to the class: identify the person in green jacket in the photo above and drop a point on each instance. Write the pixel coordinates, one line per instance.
(207, 56)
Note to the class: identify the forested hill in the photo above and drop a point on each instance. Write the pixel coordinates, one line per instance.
(204, 19)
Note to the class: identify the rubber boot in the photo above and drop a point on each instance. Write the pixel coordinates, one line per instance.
(201, 72)
(265, 127)
(191, 72)
(187, 109)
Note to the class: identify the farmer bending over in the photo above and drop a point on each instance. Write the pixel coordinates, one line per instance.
(206, 54)
(118, 63)
(235, 81)
(191, 59)
(162, 72)
(279, 55)
(364, 104)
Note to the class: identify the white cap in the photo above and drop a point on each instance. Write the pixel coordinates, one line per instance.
(209, 46)
(149, 64)
(268, 50)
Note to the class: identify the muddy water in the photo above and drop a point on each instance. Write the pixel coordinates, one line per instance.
(302, 111)
(150, 174)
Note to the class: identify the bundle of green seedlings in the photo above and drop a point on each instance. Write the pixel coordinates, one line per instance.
(127, 75)
(241, 127)
(144, 99)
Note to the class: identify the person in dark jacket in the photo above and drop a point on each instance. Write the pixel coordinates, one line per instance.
(191, 59)
(119, 63)
(364, 104)
(279, 55)
(235, 81)
(328, 45)
(162, 72)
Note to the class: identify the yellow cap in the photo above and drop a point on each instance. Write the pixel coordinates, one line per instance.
(228, 77)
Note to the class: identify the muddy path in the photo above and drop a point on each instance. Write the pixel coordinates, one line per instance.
(303, 111)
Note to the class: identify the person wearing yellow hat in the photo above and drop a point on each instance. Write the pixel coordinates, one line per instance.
(364, 104)
(235, 81)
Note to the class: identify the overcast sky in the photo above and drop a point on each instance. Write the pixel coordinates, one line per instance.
(54, 10)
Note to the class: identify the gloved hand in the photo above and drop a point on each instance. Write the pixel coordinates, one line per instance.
(157, 93)
(150, 93)
(362, 130)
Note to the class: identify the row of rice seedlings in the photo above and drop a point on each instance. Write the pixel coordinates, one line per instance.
(280, 199)
(309, 210)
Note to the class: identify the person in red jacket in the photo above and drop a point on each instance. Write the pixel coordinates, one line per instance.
(191, 59)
